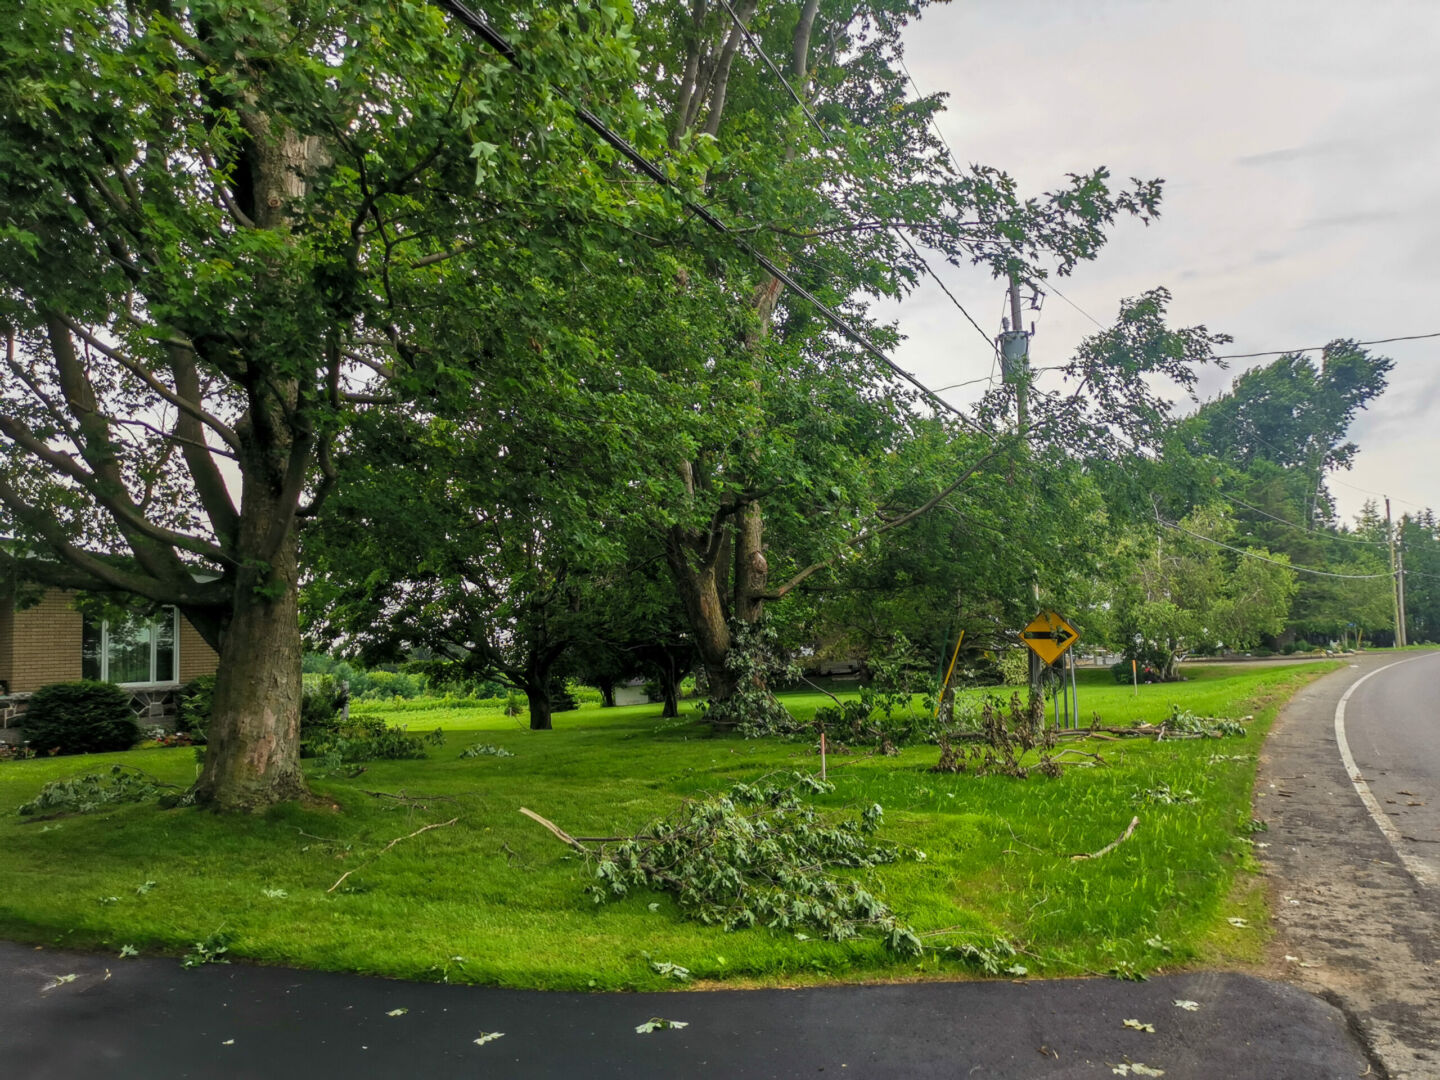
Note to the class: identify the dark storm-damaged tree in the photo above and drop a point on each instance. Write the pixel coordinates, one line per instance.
(785, 479)
(224, 227)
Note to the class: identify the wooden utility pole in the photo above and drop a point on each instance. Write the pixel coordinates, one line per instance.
(1397, 571)
(1015, 354)
(1400, 581)
(1015, 371)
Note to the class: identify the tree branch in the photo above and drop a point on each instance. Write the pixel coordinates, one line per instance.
(94, 572)
(870, 533)
(127, 515)
(209, 482)
(220, 428)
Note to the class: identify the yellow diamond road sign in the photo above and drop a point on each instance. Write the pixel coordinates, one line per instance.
(1048, 636)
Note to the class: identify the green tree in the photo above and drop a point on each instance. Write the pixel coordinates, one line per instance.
(1185, 592)
(779, 484)
(225, 227)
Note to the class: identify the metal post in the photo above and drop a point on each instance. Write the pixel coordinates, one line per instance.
(1075, 692)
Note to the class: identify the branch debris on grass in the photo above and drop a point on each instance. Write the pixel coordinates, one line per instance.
(756, 855)
(1129, 831)
(387, 847)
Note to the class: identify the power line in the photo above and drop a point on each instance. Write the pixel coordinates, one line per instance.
(491, 37)
(1263, 558)
(1050, 286)
(1322, 348)
(1302, 528)
(1378, 494)
(829, 139)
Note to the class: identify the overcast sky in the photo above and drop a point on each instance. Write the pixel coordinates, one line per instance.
(1300, 145)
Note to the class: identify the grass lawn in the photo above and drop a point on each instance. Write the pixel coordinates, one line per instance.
(496, 899)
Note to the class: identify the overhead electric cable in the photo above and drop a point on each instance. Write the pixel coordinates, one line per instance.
(1378, 494)
(491, 37)
(829, 139)
(1302, 528)
(1049, 285)
(1263, 558)
(1321, 348)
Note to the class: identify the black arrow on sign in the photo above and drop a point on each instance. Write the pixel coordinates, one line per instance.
(1048, 635)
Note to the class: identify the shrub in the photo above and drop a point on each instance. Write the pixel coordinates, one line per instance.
(1142, 673)
(1014, 665)
(83, 717)
(585, 695)
(387, 685)
(365, 738)
(561, 697)
(197, 701)
(320, 705)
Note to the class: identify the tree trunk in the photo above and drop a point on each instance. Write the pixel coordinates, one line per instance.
(252, 756)
(670, 687)
(705, 611)
(751, 570)
(607, 692)
(537, 694)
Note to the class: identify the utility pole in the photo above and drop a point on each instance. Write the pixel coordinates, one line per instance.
(1397, 571)
(1015, 354)
(1400, 581)
(1015, 370)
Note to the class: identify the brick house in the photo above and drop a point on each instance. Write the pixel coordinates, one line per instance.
(51, 642)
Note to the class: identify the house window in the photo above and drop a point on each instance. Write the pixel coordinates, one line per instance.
(137, 649)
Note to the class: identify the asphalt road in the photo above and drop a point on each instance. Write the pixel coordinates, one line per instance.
(1392, 724)
(150, 1018)
(1357, 903)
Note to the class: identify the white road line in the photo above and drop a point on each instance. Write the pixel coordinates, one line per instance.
(1420, 870)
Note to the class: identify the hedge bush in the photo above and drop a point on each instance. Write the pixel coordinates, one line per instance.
(197, 701)
(85, 717)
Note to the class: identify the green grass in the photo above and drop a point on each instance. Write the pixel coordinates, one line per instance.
(501, 892)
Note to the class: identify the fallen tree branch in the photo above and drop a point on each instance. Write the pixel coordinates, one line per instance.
(408, 800)
(1129, 829)
(1081, 753)
(559, 832)
(387, 847)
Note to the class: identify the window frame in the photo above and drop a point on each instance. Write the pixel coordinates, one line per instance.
(154, 648)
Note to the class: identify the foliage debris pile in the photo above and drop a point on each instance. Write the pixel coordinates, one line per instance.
(86, 793)
(1006, 736)
(758, 854)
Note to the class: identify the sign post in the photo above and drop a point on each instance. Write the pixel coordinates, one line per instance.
(1049, 637)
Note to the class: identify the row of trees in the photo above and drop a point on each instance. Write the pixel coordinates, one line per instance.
(299, 293)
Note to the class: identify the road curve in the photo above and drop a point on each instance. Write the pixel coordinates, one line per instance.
(1357, 916)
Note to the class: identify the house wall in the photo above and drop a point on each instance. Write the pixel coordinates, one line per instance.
(40, 645)
(196, 657)
(45, 643)
(7, 636)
